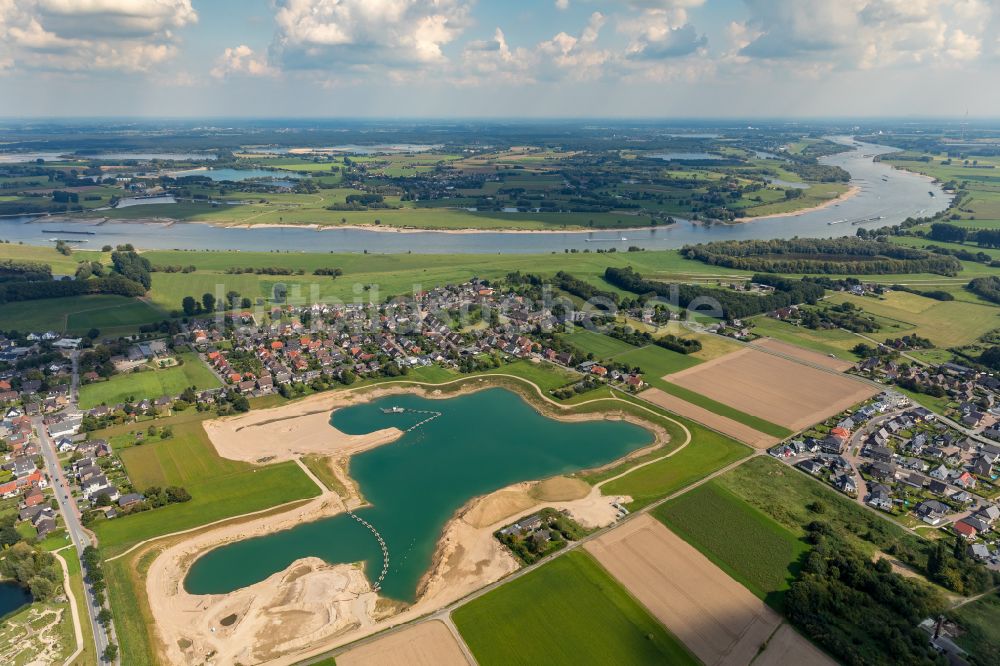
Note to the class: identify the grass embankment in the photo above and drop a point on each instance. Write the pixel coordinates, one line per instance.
(135, 386)
(134, 622)
(569, 611)
(748, 545)
(320, 466)
(219, 488)
(88, 657)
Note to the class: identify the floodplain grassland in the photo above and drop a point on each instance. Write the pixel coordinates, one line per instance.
(219, 488)
(944, 323)
(569, 611)
(78, 314)
(747, 544)
(191, 371)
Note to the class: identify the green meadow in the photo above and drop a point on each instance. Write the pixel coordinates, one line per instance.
(151, 384)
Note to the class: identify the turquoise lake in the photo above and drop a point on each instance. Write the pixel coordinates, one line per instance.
(482, 442)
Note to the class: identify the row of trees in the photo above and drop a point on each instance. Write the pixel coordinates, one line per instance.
(850, 255)
(642, 338)
(29, 291)
(209, 303)
(952, 233)
(91, 559)
(734, 304)
(14, 270)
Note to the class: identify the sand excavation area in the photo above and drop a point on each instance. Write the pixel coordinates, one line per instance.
(312, 607)
(287, 432)
(727, 426)
(776, 389)
(718, 619)
(429, 643)
(802, 354)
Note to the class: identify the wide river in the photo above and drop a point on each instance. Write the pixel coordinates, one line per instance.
(900, 195)
(482, 442)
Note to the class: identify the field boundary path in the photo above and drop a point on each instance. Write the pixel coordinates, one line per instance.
(73, 611)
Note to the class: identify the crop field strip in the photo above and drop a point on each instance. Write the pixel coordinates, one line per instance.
(745, 380)
(747, 544)
(720, 621)
(569, 611)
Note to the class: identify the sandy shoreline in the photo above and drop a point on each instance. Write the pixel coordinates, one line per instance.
(851, 191)
(312, 607)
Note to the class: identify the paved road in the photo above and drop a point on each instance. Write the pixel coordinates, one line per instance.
(71, 514)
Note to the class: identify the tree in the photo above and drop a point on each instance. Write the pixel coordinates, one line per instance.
(110, 653)
(104, 617)
(41, 588)
(94, 333)
(189, 305)
(208, 302)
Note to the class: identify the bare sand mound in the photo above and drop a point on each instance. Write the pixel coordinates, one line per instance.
(497, 506)
(307, 602)
(560, 489)
(289, 431)
(803, 354)
(773, 388)
(723, 424)
(719, 620)
(425, 644)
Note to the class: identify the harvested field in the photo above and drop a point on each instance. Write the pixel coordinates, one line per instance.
(719, 620)
(803, 354)
(425, 644)
(788, 647)
(791, 394)
(723, 424)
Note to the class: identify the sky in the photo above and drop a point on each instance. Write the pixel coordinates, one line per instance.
(500, 58)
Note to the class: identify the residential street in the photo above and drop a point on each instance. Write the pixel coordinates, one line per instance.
(71, 515)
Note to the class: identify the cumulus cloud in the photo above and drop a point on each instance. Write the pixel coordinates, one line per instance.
(78, 35)
(661, 33)
(326, 34)
(242, 60)
(866, 34)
